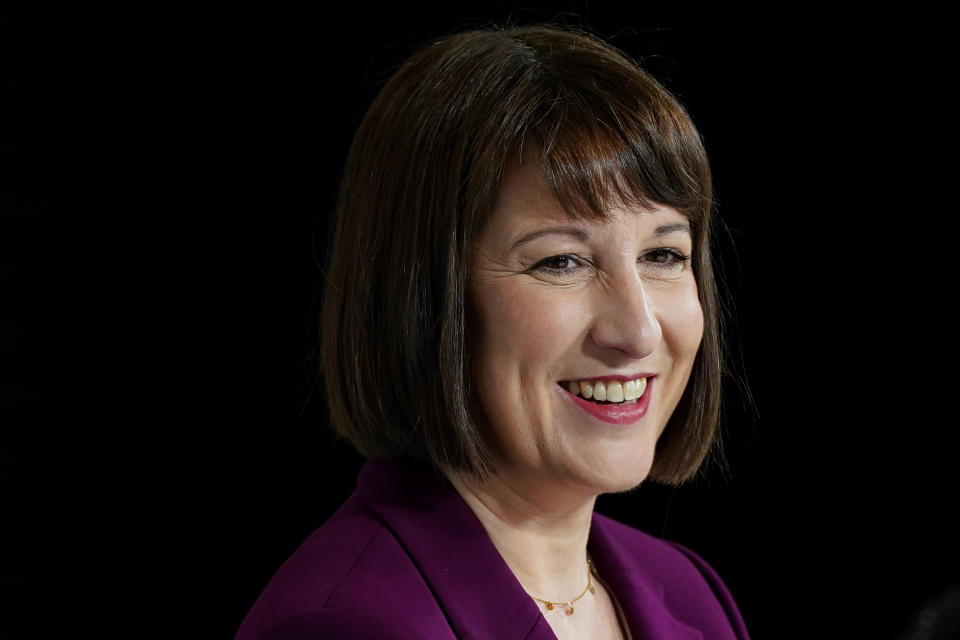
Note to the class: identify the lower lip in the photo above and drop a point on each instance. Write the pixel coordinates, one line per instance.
(615, 413)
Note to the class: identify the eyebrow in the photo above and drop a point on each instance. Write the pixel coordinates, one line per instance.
(667, 229)
(575, 232)
(580, 234)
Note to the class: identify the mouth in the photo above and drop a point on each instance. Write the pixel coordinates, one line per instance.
(608, 391)
(611, 400)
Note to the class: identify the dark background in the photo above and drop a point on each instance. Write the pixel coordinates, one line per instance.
(168, 177)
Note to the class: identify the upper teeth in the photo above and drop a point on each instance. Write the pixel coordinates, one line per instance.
(611, 391)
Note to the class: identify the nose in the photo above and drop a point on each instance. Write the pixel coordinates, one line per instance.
(625, 318)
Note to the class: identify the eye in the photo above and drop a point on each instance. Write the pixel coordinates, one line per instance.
(560, 264)
(664, 258)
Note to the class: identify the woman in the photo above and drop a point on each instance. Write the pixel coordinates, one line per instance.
(520, 315)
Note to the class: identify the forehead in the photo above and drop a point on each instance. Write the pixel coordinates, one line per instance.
(525, 202)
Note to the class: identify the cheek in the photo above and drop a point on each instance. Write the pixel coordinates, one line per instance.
(684, 325)
(517, 335)
(520, 327)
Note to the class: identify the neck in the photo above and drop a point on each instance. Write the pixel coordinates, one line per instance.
(541, 535)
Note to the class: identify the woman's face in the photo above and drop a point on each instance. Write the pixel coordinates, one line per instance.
(555, 301)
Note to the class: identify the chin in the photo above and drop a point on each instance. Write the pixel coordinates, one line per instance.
(616, 473)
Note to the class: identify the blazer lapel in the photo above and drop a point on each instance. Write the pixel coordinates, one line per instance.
(475, 588)
(637, 594)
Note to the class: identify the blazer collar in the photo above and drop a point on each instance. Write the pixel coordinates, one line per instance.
(473, 585)
(640, 595)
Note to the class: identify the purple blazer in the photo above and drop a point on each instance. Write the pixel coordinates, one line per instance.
(406, 558)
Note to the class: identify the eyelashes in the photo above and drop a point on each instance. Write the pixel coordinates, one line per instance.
(559, 264)
(664, 261)
(667, 258)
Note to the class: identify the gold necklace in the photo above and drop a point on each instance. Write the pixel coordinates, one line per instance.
(550, 604)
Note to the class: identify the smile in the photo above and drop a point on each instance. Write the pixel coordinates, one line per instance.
(623, 402)
(609, 391)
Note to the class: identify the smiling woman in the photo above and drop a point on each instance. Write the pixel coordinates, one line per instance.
(566, 317)
(521, 274)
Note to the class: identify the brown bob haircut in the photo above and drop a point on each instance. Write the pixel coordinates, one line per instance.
(419, 183)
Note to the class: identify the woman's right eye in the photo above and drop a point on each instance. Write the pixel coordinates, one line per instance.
(563, 263)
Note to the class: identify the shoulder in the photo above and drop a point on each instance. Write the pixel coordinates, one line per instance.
(336, 623)
(350, 574)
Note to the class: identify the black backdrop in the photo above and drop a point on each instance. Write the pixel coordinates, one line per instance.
(168, 179)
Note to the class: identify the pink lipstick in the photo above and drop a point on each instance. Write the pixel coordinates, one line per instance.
(620, 413)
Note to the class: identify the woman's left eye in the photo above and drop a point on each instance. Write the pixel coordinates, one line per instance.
(665, 258)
